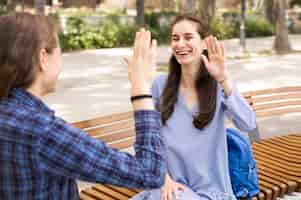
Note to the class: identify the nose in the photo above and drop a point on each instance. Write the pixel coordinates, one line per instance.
(180, 42)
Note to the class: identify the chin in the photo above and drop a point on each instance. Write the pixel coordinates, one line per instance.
(186, 61)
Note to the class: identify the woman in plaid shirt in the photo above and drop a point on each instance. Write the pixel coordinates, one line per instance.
(41, 155)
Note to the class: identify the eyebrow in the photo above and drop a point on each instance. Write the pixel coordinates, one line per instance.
(186, 34)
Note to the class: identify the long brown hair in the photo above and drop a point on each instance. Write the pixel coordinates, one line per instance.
(22, 36)
(205, 85)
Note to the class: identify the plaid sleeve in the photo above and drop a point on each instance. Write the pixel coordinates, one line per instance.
(69, 152)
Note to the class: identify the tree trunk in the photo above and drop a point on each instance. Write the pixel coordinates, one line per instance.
(281, 44)
(269, 11)
(206, 11)
(188, 6)
(140, 12)
(168, 4)
(11, 5)
(40, 6)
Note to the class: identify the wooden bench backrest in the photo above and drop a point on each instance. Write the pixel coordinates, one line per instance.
(118, 130)
(272, 102)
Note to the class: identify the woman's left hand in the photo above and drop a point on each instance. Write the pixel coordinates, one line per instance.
(216, 63)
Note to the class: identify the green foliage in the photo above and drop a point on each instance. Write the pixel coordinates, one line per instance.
(229, 25)
(80, 35)
(3, 11)
(223, 30)
(295, 3)
(258, 27)
(161, 32)
(112, 33)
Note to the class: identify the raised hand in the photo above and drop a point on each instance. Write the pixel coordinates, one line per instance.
(216, 63)
(142, 66)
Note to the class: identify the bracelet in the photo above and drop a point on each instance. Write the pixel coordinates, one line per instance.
(142, 96)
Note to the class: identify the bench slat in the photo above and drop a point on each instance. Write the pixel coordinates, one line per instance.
(103, 120)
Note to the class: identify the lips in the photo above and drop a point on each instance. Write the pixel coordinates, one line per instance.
(183, 53)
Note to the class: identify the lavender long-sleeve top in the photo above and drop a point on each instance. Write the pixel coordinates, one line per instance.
(199, 158)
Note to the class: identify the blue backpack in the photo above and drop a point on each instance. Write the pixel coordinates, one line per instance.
(242, 165)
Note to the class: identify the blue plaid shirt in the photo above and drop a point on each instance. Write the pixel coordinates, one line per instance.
(41, 155)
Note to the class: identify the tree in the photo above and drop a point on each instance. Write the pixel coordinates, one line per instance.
(281, 43)
(40, 6)
(140, 12)
(11, 5)
(268, 10)
(206, 10)
(188, 6)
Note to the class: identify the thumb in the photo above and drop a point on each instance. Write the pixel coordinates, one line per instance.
(126, 60)
(205, 60)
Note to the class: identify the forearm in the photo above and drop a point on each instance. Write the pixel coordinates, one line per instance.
(68, 152)
(239, 110)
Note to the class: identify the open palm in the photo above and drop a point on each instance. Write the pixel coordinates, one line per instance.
(216, 63)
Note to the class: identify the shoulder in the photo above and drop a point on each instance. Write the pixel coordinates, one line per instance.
(25, 117)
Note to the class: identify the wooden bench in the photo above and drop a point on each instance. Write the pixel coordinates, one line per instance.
(278, 158)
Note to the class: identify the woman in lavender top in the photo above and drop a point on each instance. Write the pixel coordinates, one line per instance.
(194, 99)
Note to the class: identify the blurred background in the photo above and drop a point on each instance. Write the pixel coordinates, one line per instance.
(93, 24)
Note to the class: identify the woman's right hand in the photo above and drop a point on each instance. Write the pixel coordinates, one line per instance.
(170, 189)
(142, 66)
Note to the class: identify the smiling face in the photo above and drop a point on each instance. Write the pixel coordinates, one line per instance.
(186, 42)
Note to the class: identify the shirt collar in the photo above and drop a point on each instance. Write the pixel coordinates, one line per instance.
(27, 99)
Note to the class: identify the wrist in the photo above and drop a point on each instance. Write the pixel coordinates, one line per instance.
(140, 90)
(140, 97)
(227, 86)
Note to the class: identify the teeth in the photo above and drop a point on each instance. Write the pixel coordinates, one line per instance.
(182, 53)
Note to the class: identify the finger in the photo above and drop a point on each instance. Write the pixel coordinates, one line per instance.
(176, 193)
(126, 60)
(223, 49)
(205, 60)
(207, 42)
(136, 44)
(169, 194)
(214, 45)
(217, 46)
(163, 195)
(140, 43)
(146, 42)
(211, 48)
(166, 195)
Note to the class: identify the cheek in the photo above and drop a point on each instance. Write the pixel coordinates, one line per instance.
(173, 48)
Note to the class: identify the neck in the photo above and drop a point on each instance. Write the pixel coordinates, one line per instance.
(189, 75)
(36, 90)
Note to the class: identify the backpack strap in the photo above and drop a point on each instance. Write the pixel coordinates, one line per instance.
(254, 135)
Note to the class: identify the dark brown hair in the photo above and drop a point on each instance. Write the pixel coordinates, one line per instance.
(22, 36)
(205, 85)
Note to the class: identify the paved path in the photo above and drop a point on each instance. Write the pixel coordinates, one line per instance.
(94, 83)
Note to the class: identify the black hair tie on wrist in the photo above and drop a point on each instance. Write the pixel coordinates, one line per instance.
(142, 96)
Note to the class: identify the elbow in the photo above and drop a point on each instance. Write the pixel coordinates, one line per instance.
(161, 179)
(252, 125)
(156, 177)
